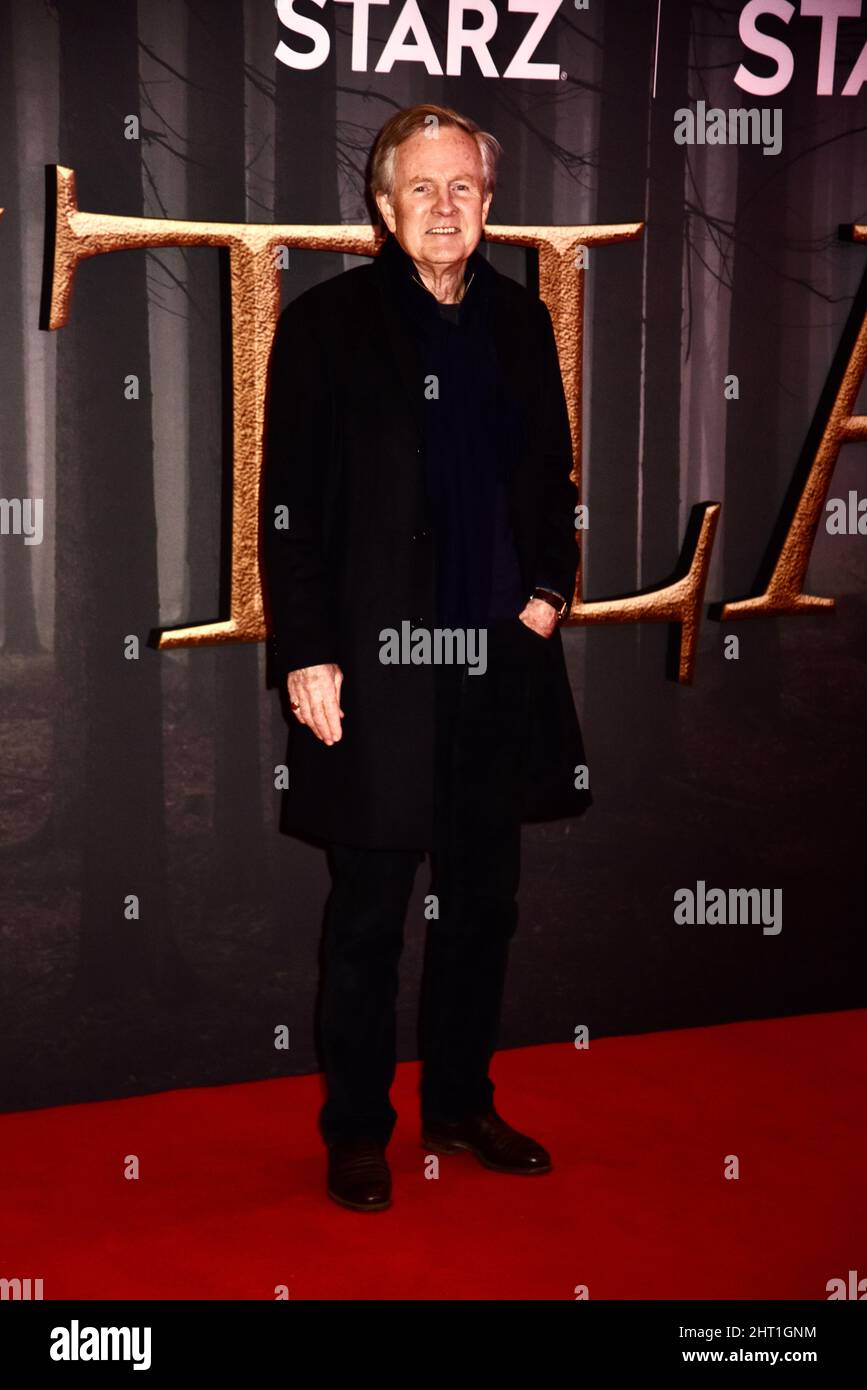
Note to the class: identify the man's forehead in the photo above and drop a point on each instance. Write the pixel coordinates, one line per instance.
(417, 157)
(419, 172)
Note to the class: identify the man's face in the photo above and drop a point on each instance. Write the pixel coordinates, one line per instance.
(437, 208)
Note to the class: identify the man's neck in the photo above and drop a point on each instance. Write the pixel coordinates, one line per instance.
(445, 283)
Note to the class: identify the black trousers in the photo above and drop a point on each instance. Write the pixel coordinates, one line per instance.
(481, 723)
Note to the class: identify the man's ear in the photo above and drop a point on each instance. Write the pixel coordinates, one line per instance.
(386, 211)
(486, 203)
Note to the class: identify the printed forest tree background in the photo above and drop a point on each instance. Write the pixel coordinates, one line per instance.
(155, 777)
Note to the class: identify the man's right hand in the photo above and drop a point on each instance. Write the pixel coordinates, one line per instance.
(316, 692)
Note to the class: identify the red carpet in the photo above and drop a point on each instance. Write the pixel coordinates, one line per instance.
(231, 1201)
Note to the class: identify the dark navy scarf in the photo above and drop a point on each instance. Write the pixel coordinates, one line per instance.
(471, 435)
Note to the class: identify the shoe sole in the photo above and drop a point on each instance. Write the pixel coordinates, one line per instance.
(358, 1206)
(455, 1148)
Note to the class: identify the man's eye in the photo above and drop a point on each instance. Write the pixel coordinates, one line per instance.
(420, 188)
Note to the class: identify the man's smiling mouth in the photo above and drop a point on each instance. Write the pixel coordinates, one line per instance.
(441, 231)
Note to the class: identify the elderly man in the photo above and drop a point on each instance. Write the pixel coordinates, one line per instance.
(420, 550)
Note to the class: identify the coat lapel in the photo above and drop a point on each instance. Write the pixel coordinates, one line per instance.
(506, 332)
(403, 350)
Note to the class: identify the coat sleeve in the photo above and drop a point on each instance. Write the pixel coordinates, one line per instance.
(299, 462)
(557, 548)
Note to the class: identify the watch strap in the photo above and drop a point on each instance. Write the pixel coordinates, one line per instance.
(556, 600)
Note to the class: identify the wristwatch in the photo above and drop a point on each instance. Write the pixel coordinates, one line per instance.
(556, 600)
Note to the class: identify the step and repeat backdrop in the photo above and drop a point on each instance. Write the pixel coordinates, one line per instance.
(686, 185)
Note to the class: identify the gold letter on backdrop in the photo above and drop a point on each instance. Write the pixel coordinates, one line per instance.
(255, 300)
(255, 303)
(785, 589)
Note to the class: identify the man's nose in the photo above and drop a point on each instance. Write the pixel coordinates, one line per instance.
(445, 203)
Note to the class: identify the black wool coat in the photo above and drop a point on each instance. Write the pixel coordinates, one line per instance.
(343, 456)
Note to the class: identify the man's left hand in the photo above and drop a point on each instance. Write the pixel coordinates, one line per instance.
(540, 616)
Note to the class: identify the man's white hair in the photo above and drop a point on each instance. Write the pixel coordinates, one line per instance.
(410, 121)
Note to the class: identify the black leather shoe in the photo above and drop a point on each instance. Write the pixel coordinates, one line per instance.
(358, 1174)
(493, 1142)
